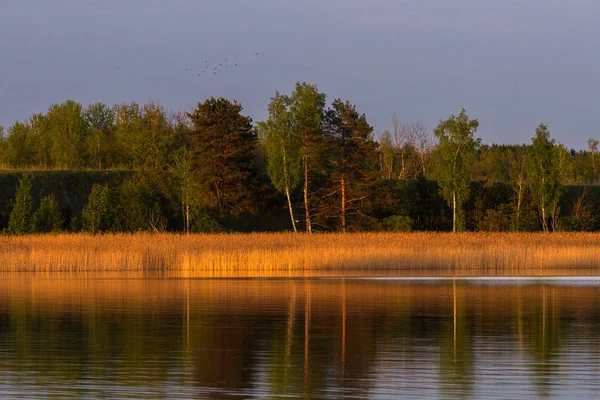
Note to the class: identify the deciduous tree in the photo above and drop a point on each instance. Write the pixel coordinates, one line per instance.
(543, 170)
(308, 108)
(282, 144)
(455, 152)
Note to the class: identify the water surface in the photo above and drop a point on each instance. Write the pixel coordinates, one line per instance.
(142, 337)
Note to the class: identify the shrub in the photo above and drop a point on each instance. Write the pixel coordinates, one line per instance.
(398, 223)
(101, 212)
(48, 217)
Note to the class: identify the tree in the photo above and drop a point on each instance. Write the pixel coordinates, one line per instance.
(308, 108)
(455, 152)
(100, 119)
(2, 148)
(354, 159)
(68, 130)
(518, 176)
(41, 139)
(185, 185)
(99, 214)
(593, 152)
(128, 127)
(137, 204)
(386, 155)
(19, 146)
(223, 143)
(20, 221)
(283, 148)
(543, 170)
(48, 218)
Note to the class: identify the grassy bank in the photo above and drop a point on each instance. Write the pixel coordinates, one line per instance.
(265, 254)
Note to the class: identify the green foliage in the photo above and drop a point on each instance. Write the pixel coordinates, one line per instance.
(497, 219)
(48, 218)
(182, 171)
(100, 118)
(68, 130)
(398, 223)
(307, 105)
(544, 159)
(455, 152)
(186, 188)
(202, 222)
(353, 162)
(101, 212)
(21, 219)
(223, 143)
(282, 144)
(18, 148)
(386, 155)
(137, 202)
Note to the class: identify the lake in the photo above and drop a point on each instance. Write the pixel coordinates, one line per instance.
(121, 336)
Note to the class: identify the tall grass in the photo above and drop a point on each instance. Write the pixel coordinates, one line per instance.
(290, 254)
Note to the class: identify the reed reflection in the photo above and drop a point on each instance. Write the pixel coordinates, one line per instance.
(296, 337)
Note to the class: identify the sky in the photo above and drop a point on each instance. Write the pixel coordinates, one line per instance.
(512, 64)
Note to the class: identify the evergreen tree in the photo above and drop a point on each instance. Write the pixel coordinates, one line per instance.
(21, 221)
(223, 144)
(48, 217)
(455, 152)
(354, 158)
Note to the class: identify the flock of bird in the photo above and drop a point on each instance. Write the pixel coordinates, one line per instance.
(214, 68)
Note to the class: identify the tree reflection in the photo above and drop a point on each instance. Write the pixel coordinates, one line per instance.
(294, 337)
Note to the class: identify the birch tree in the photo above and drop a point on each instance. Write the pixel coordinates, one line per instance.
(282, 145)
(456, 149)
(543, 170)
(308, 108)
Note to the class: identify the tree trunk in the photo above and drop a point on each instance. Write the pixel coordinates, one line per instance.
(544, 221)
(454, 211)
(306, 207)
(344, 227)
(287, 193)
(187, 218)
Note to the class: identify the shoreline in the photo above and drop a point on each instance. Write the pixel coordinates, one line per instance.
(301, 255)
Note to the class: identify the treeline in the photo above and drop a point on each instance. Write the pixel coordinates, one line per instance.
(311, 166)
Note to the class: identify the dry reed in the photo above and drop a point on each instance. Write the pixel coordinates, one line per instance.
(282, 253)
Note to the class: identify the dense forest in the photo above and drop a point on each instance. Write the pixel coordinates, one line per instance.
(312, 166)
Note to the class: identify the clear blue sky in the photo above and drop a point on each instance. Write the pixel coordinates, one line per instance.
(510, 63)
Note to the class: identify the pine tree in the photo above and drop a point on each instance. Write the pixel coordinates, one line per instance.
(21, 220)
(354, 159)
(48, 218)
(224, 144)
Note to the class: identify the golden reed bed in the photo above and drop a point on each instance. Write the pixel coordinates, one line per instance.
(288, 254)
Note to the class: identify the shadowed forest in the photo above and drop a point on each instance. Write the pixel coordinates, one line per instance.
(313, 165)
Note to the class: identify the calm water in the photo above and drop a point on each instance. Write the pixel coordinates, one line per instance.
(316, 338)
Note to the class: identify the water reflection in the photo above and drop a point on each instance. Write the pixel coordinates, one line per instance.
(190, 338)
